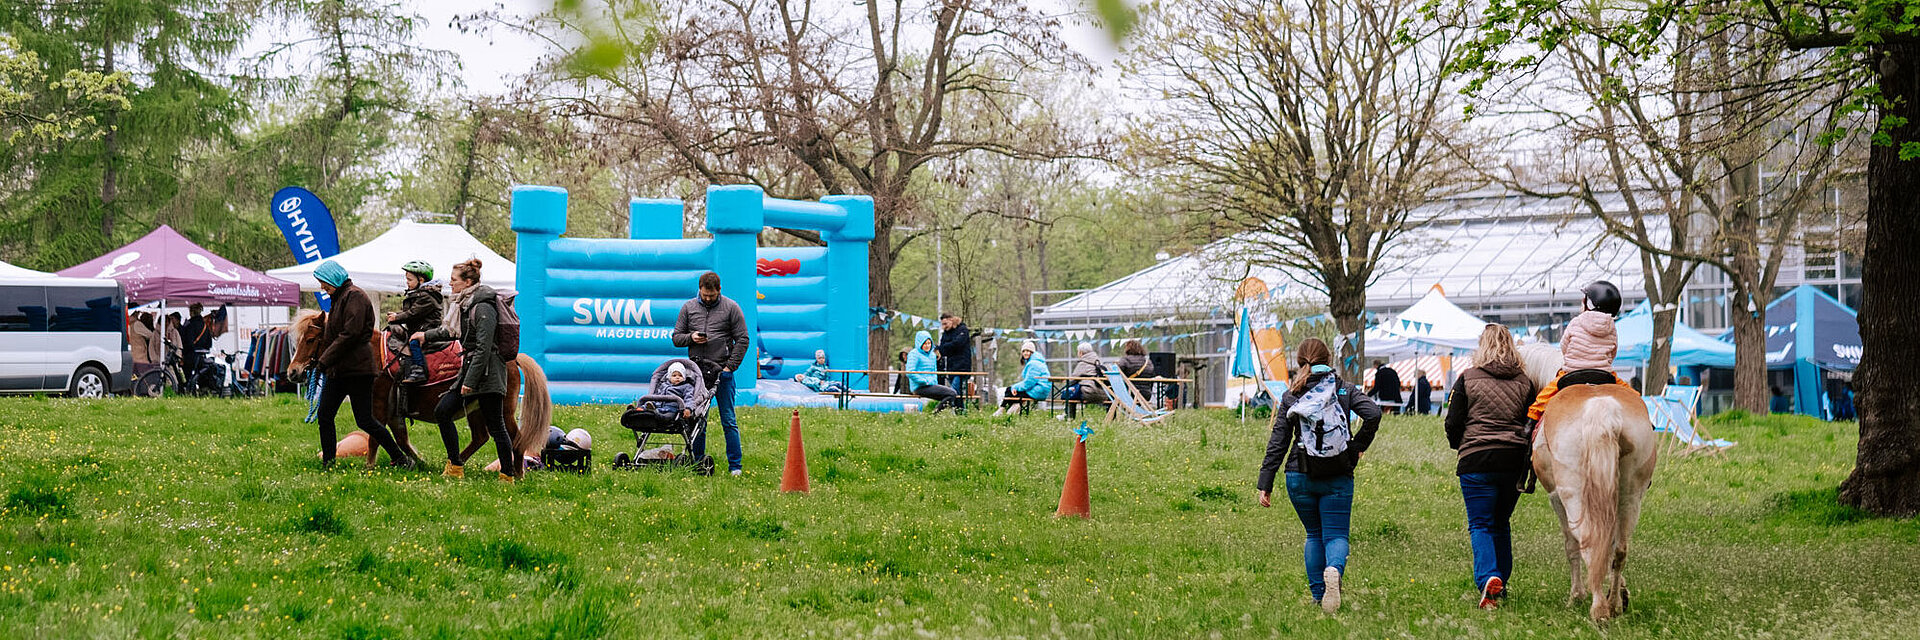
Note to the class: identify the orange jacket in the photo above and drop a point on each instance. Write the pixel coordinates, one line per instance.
(1553, 386)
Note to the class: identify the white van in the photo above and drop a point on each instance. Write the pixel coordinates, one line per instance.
(66, 335)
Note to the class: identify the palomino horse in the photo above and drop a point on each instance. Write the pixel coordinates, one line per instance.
(529, 431)
(1595, 454)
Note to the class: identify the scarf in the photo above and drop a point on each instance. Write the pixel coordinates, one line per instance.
(456, 306)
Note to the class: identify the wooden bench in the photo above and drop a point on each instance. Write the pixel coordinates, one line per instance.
(846, 382)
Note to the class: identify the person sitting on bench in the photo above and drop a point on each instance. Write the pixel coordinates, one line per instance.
(1087, 365)
(815, 377)
(1033, 384)
(926, 384)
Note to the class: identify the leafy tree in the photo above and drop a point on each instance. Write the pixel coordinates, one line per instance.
(805, 99)
(24, 127)
(1313, 128)
(1873, 42)
(66, 201)
(1719, 143)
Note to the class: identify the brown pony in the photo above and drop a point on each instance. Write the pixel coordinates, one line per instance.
(1595, 453)
(529, 431)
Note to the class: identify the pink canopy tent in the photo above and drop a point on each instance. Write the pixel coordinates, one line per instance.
(165, 265)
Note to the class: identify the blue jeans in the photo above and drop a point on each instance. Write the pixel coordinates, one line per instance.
(418, 352)
(1490, 500)
(1325, 507)
(723, 400)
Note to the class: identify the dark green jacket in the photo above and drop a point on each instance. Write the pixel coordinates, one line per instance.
(420, 310)
(480, 366)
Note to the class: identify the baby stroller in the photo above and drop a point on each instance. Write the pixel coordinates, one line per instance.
(646, 423)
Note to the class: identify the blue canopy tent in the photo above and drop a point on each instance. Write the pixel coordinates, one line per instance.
(1690, 347)
(1809, 331)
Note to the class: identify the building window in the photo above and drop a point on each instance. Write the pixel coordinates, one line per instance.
(1821, 266)
(1850, 295)
(1706, 309)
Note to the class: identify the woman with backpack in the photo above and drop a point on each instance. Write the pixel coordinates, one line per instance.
(1312, 433)
(1487, 424)
(473, 318)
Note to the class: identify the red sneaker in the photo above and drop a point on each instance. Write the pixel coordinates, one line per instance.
(1490, 593)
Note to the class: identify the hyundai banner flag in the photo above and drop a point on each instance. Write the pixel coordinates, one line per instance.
(309, 229)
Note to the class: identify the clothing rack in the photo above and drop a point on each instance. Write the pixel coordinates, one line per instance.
(269, 353)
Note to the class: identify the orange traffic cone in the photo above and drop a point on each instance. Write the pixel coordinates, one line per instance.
(794, 478)
(1073, 497)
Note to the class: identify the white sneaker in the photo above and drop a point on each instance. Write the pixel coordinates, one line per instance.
(735, 473)
(1330, 601)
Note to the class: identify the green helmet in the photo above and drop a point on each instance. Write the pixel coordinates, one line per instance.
(418, 268)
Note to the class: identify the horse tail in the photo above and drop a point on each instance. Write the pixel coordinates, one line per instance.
(1600, 486)
(536, 408)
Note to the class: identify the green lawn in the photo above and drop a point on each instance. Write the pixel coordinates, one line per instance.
(208, 518)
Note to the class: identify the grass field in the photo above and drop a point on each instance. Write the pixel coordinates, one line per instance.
(206, 518)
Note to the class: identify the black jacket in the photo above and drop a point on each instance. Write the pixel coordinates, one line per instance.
(420, 311)
(726, 329)
(1386, 384)
(1285, 442)
(956, 348)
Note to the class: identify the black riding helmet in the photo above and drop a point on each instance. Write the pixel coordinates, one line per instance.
(1602, 296)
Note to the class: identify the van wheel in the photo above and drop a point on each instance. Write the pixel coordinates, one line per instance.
(88, 382)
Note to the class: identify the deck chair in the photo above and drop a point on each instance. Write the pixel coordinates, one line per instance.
(1673, 413)
(1127, 399)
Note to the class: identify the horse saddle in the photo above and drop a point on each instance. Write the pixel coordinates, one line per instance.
(442, 365)
(1587, 376)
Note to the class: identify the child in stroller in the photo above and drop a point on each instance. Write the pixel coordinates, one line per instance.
(676, 405)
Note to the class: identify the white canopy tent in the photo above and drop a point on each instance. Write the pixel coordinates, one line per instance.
(375, 266)
(1431, 325)
(11, 271)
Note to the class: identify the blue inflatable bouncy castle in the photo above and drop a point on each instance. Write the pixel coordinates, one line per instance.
(598, 313)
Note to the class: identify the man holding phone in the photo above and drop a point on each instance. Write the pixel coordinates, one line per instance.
(714, 331)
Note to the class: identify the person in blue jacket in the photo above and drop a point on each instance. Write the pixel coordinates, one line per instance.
(925, 382)
(816, 377)
(1033, 384)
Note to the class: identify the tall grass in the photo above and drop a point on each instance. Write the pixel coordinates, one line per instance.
(206, 518)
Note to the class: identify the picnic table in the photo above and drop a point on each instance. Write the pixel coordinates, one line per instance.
(847, 394)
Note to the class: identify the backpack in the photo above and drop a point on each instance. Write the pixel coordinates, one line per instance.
(1324, 430)
(506, 333)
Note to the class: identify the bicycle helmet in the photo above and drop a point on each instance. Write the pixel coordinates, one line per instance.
(1602, 296)
(418, 268)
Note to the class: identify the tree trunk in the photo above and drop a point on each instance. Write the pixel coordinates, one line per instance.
(470, 152)
(1749, 355)
(1660, 359)
(1347, 304)
(1751, 290)
(1886, 474)
(110, 179)
(880, 295)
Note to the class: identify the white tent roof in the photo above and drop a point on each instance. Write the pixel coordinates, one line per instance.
(1431, 324)
(11, 271)
(375, 266)
(1481, 249)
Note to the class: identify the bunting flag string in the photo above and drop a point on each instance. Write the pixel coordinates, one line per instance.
(1112, 336)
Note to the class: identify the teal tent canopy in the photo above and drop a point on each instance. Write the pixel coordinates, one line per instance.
(1690, 347)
